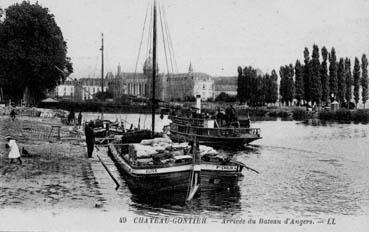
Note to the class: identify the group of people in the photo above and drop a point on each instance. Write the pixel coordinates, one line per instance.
(71, 118)
(227, 117)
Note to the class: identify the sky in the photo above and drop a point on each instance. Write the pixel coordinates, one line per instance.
(216, 36)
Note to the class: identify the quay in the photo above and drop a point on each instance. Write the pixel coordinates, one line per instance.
(54, 173)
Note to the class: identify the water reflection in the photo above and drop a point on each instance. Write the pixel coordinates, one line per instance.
(214, 201)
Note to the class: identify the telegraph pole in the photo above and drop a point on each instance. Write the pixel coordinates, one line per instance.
(102, 62)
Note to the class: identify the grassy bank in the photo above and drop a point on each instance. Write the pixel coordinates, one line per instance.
(345, 115)
(295, 113)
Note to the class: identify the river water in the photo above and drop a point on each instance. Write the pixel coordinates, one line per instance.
(306, 169)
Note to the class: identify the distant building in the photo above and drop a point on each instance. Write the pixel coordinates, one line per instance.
(65, 90)
(179, 86)
(115, 83)
(87, 87)
(183, 86)
(226, 85)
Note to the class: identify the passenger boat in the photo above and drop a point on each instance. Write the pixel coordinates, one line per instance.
(209, 133)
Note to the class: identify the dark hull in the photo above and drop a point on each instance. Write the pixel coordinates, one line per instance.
(212, 176)
(214, 140)
(211, 180)
(136, 136)
(103, 137)
(150, 183)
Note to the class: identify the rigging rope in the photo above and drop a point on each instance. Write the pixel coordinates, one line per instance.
(163, 36)
(150, 31)
(139, 49)
(169, 40)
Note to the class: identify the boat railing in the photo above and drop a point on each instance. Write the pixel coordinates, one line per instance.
(215, 131)
(184, 120)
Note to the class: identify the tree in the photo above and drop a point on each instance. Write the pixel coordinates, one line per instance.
(299, 82)
(341, 81)
(316, 83)
(282, 84)
(240, 86)
(333, 85)
(224, 97)
(290, 83)
(356, 80)
(274, 87)
(31, 46)
(286, 85)
(103, 95)
(364, 79)
(271, 87)
(307, 75)
(348, 78)
(324, 76)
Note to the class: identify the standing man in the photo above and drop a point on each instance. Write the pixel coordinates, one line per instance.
(71, 117)
(79, 118)
(90, 139)
(13, 150)
(13, 114)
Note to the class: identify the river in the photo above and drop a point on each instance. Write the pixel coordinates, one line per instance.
(306, 169)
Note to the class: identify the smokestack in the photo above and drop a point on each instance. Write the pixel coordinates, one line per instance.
(198, 103)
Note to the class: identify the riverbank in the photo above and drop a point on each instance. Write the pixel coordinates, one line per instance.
(54, 172)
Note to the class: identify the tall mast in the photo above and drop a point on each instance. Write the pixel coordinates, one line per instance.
(102, 62)
(153, 72)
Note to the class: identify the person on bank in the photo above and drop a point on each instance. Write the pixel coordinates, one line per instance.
(71, 117)
(13, 114)
(14, 153)
(79, 119)
(90, 139)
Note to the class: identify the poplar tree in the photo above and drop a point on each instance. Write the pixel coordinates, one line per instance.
(348, 78)
(307, 75)
(290, 83)
(324, 76)
(333, 86)
(240, 86)
(282, 84)
(356, 80)
(299, 82)
(341, 81)
(316, 83)
(364, 79)
(274, 87)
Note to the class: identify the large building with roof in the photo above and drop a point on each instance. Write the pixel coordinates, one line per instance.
(169, 87)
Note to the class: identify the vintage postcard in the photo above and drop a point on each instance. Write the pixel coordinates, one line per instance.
(184, 115)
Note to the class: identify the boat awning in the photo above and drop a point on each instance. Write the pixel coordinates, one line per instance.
(179, 157)
(49, 99)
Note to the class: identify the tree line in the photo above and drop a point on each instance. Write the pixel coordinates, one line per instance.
(255, 89)
(316, 81)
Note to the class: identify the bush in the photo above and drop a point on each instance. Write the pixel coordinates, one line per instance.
(339, 115)
(299, 114)
(360, 116)
(225, 97)
(279, 113)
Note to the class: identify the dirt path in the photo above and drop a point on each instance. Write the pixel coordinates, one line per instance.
(54, 173)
